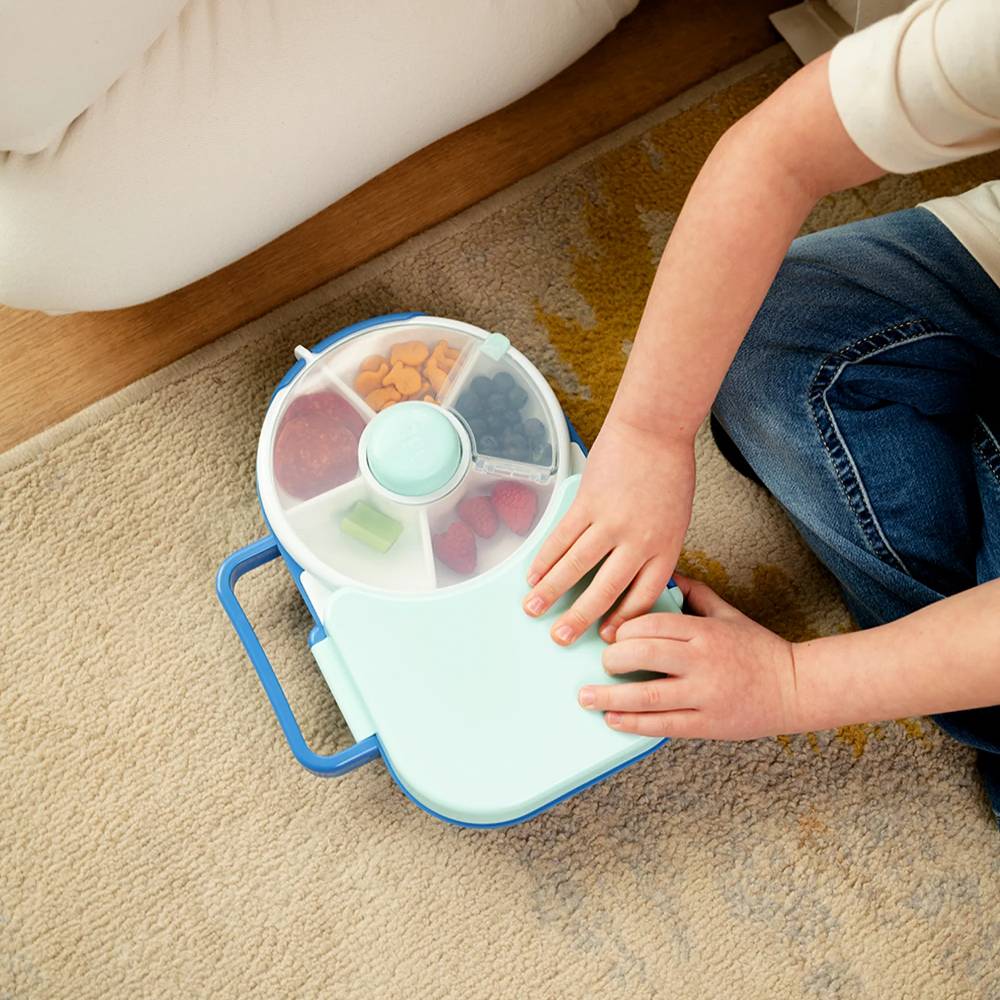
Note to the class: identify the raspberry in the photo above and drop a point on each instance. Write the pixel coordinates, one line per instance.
(517, 506)
(456, 547)
(478, 514)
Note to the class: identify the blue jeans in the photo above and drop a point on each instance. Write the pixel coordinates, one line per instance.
(866, 397)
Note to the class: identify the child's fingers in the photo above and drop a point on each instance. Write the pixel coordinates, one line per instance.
(659, 625)
(639, 598)
(702, 600)
(665, 656)
(664, 695)
(581, 557)
(610, 580)
(680, 724)
(566, 532)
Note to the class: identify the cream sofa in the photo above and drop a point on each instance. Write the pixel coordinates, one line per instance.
(146, 144)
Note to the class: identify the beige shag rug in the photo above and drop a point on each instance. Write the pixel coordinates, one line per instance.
(158, 840)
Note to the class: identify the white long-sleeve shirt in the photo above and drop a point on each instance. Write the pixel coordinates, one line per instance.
(922, 88)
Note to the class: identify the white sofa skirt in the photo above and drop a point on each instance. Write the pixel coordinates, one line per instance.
(146, 144)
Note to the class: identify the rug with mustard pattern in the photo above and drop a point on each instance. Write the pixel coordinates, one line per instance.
(159, 841)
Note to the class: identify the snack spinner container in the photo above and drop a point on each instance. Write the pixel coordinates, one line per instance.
(408, 469)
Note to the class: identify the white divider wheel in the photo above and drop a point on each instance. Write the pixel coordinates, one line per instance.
(410, 456)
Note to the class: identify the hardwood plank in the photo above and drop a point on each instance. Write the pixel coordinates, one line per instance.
(54, 366)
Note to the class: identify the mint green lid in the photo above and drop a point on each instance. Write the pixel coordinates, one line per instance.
(479, 723)
(413, 449)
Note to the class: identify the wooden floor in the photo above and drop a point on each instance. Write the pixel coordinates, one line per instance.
(53, 367)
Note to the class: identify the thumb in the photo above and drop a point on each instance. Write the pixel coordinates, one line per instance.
(702, 600)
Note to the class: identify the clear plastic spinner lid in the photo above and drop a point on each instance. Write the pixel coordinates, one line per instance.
(410, 456)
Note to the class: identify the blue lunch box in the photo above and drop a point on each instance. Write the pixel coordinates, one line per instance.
(408, 468)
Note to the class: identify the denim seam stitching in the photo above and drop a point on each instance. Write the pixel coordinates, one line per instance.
(848, 477)
(838, 454)
(988, 448)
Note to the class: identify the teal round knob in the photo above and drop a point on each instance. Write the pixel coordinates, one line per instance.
(413, 449)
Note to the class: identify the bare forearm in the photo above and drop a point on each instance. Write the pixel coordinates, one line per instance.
(725, 249)
(744, 209)
(942, 658)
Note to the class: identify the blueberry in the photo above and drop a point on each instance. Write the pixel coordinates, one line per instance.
(481, 385)
(496, 402)
(496, 423)
(512, 439)
(517, 454)
(488, 444)
(503, 381)
(477, 427)
(541, 454)
(517, 397)
(469, 404)
(534, 429)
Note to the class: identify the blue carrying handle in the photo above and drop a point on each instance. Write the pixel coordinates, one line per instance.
(246, 559)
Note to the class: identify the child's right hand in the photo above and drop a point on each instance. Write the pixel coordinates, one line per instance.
(632, 510)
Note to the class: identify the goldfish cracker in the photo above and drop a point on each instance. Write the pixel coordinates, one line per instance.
(422, 390)
(370, 380)
(373, 363)
(404, 379)
(382, 397)
(443, 356)
(410, 352)
(436, 376)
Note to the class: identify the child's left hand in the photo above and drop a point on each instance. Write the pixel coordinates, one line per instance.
(727, 678)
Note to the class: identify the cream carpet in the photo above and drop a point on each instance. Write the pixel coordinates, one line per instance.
(158, 840)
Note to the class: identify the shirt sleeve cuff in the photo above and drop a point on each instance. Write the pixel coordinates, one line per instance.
(863, 73)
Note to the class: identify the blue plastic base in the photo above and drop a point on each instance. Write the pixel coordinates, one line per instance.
(237, 565)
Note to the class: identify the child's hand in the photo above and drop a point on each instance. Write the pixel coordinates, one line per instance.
(729, 678)
(633, 507)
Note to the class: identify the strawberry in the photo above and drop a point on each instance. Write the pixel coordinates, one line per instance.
(516, 504)
(456, 547)
(478, 514)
